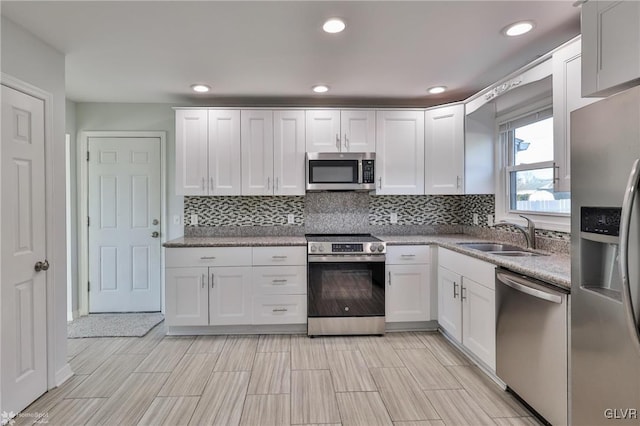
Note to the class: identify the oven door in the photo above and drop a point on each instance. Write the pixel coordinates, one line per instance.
(345, 286)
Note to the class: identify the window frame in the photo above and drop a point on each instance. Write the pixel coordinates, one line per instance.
(505, 158)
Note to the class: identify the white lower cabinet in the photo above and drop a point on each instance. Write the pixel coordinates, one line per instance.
(279, 285)
(235, 286)
(408, 286)
(187, 296)
(466, 303)
(230, 296)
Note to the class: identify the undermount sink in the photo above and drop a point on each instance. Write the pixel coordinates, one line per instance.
(516, 253)
(492, 247)
(500, 249)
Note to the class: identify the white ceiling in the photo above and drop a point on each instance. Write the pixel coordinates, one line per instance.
(273, 52)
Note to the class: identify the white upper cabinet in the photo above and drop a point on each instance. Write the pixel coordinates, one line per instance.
(358, 130)
(610, 46)
(256, 135)
(400, 152)
(567, 97)
(334, 130)
(207, 152)
(444, 149)
(224, 152)
(192, 143)
(288, 152)
(323, 130)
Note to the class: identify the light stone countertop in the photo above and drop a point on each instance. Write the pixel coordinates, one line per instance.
(554, 268)
(183, 242)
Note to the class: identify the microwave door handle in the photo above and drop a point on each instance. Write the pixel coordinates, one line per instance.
(625, 223)
(359, 171)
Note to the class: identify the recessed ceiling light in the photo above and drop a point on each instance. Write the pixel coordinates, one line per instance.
(320, 88)
(436, 89)
(518, 28)
(334, 25)
(200, 88)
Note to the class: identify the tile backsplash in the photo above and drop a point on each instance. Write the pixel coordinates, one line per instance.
(343, 212)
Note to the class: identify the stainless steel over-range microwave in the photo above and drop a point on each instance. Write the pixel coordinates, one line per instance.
(346, 171)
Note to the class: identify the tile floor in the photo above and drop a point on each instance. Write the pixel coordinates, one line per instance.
(400, 379)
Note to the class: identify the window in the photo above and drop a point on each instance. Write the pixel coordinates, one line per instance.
(529, 170)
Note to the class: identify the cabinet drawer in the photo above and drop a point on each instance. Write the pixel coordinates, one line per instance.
(478, 270)
(270, 256)
(280, 309)
(279, 280)
(400, 255)
(207, 256)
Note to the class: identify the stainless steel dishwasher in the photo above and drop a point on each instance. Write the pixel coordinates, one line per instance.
(532, 342)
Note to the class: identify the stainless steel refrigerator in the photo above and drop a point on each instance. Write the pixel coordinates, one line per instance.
(605, 258)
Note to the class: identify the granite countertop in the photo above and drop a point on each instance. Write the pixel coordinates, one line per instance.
(235, 241)
(554, 268)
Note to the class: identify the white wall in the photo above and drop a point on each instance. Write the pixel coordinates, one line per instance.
(29, 59)
(70, 129)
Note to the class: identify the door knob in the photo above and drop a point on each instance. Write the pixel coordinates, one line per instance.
(41, 266)
(155, 234)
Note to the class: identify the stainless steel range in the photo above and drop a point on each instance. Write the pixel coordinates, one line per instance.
(345, 284)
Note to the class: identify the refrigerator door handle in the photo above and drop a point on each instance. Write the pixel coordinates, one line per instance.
(625, 223)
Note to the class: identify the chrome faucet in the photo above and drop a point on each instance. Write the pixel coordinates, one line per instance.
(529, 232)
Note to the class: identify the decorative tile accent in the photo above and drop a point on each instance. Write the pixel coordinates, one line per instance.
(482, 205)
(415, 209)
(244, 211)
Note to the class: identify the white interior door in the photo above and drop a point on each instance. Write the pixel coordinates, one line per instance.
(124, 224)
(23, 288)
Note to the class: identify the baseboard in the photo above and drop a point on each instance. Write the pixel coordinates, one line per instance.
(64, 374)
(236, 329)
(412, 326)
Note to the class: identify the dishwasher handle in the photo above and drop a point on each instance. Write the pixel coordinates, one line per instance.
(526, 286)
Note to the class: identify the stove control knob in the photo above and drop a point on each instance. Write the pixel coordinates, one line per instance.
(321, 249)
(313, 249)
(380, 248)
(372, 248)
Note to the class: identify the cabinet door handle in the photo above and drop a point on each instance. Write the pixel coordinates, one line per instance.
(407, 255)
(455, 287)
(207, 257)
(346, 142)
(278, 257)
(203, 184)
(279, 310)
(458, 182)
(211, 183)
(380, 182)
(268, 183)
(213, 280)
(277, 183)
(463, 292)
(389, 278)
(278, 282)
(338, 142)
(203, 278)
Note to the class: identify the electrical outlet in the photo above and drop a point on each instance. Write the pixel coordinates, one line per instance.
(393, 217)
(475, 218)
(490, 219)
(176, 219)
(194, 219)
(291, 219)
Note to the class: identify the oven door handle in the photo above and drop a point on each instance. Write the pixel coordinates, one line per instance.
(314, 258)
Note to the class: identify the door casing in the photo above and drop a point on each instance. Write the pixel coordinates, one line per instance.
(83, 211)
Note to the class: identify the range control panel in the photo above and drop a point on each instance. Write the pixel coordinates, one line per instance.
(600, 220)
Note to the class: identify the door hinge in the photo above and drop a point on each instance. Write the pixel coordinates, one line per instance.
(88, 221)
(87, 155)
(88, 286)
